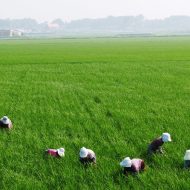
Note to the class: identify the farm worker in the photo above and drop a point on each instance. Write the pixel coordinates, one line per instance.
(87, 156)
(156, 145)
(132, 165)
(5, 122)
(56, 152)
(187, 159)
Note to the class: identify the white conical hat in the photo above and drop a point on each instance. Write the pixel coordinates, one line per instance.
(126, 162)
(187, 155)
(5, 120)
(166, 137)
(61, 152)
(83, 152)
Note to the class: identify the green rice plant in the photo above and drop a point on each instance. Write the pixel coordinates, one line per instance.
(111, 95)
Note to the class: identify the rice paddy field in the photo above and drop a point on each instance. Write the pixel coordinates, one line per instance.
(113, 96)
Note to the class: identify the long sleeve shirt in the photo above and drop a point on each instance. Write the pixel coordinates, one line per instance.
(155, 145)
(137, 166)
(53, 152)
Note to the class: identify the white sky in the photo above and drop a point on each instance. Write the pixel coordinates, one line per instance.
(47, 10)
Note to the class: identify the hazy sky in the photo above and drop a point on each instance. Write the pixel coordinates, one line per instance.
(76, 9)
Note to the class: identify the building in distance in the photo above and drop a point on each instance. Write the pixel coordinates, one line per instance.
(10, 33)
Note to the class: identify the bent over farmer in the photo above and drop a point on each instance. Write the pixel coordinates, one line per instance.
(187, 159)
(156, 145)
(5, 122)
(56, 152)
(87, 156)
(133, 166)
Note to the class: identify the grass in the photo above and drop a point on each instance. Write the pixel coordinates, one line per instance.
(111, 95)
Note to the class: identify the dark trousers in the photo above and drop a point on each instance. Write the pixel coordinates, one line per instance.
(187, 163)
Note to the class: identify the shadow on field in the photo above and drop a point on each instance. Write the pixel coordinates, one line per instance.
(144, 154)
(97, 100)
(75, 62)
(88, 166)
(45, 155)
(109, 114)
(116, 122)
(118, 175)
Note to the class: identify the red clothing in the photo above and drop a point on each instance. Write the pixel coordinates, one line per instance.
(9, 126)
(137, 166)
(53, 152)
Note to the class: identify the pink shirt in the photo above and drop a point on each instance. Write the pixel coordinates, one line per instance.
(53, 152)
(137, 164)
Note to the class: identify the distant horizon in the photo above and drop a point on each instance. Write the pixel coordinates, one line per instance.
(93, 18)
